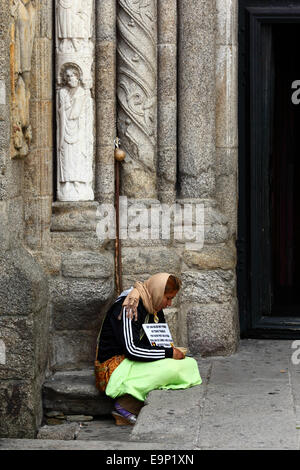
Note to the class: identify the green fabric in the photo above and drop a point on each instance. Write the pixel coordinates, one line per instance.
(139, 378)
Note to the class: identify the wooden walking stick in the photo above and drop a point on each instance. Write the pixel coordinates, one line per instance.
(119, 157)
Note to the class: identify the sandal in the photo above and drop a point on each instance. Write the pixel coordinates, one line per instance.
(123, 417)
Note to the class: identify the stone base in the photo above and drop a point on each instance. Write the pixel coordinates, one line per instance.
(74, 392)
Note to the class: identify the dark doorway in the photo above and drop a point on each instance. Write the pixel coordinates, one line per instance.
(285, 174)
(269, 169)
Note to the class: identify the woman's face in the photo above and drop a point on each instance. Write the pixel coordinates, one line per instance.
(167, 300)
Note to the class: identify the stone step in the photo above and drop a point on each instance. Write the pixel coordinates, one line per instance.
(49, 444)
(74, 392)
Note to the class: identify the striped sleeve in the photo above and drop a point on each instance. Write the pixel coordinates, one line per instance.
(134, 349)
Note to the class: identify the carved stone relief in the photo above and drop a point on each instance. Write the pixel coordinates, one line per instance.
(75, 107)
(137, 94)
(22, 36)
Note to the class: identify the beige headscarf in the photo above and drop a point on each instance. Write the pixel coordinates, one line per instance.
(151, 292)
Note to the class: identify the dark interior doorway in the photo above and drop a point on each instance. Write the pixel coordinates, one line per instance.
(269, 169)
(285, 173)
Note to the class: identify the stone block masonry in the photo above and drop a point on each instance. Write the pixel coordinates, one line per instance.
(162, 75)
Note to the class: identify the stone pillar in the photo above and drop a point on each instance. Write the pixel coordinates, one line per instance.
(137, 96)
(75, 105)
(38, 166)
(105, 81)
(196, 113)
(167, 100)
(208, 319)
(227, 110)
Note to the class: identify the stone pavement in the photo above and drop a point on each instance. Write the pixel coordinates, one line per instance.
(250, 400)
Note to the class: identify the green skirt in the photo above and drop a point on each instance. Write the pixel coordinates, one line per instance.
(139, 378)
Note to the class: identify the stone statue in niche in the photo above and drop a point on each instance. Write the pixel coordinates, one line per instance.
(23, 30)
(75, 137)
(74, 24)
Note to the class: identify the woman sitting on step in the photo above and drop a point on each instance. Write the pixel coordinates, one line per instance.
(127, 366)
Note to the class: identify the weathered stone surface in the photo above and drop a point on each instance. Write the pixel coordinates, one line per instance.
(54, 421)
(37, 217)
(4, 232)
(67, 432)
(15, 214)
(38, 178)
(227, 21)
(106, 133)
(79, 216)
(79, 241)
(167, 171)
(196, 131)
(226, 98)
(41, 81)
(74, 349)
(105, 69)
(18, 337)
(86, 264)
(77, 302)
(105, 83)
(228, 200)
(171, 319)
(167, 21)
(167, 123)
(17, 409)
(23, 287)
(205, 287)
(74, 392)
(212, 329)
(153, 260)
(55, 414)
(167, 79)
(106, 20)
(158, 420)
(211, 257)
(49, 260)
(207, 217)
(79, 418)
(41, 120)
(44, 24)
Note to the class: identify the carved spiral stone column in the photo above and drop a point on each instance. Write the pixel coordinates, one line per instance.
(137, 95)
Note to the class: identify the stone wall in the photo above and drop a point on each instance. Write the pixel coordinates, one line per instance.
(186, 155)
(24, 313)
(165, 82)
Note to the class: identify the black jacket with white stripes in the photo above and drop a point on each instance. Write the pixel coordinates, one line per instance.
(127, 336)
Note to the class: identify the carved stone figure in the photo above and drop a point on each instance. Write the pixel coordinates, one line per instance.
(73, 24)
(24, 15)
(75, 138)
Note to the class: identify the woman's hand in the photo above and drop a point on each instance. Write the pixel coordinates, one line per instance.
(177, 354)
(131, 311)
